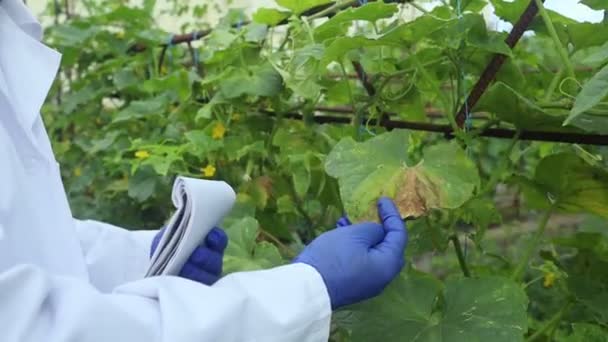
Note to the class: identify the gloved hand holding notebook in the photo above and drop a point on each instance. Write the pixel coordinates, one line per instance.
(200, 206)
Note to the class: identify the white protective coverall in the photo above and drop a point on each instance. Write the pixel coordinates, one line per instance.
(67, 280)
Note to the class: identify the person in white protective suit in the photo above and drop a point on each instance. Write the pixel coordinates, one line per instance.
(62, 279)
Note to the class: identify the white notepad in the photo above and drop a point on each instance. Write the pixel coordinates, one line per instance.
(201, 205)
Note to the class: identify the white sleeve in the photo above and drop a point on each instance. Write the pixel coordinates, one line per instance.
(113, 255)
(284, 304)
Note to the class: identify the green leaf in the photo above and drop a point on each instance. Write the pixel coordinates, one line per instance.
(178, 85)
(70, 35)
(592, 57)
(103, 143)
(337, 25)
(243, 253)
(570, 184)
(379, 167)
(490, 308)
(481, 213)
(584, 35)
(152, 36)
(593, 92)
(403, 310)
(423, 26)
(594, 243)
(588, 284)
(202, 143)
(260, 190)
(509, 10)
(257, 147)
(124, 78)
(511, 106)
(303, 72)
(257, 81)
(243, 208)
(285, 205)
(241, 244)
(300, 6)
(339, 47)
(76, 98)
(425, 236)
(419, 308)
(596, 4)
(268, 255)
(206, 111)
(162, 163)
(221, 38)
(490, 42)
(469, 5)
(301, 177)
(255, 32)
(588, 272)
(142, 185)
(142, 108)
(586, 332)
(270, 16)
(472, 27)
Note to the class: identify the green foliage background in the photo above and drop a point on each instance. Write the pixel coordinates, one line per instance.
(123, 124)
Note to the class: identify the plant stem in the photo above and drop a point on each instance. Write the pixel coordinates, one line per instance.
(285, 39)
(598, 112)
(563, 54)
(532, 245)
(551, 323)
(444, 100)
(553, 85)
(334, 8)
(357, 118)
(297, 201)
(495, 178)
(460, 255)
(287, 250)
(418, 7)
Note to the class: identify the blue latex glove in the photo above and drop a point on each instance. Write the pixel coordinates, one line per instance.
(205, 263)
(358, 261)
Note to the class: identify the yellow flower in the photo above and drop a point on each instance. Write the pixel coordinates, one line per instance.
(120, 34)
(208, 171)
(218, 131)
(549, 280)
(77, 172)
(142, 154)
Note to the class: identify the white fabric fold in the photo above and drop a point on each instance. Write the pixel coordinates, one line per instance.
(27, 67)
(22, 16)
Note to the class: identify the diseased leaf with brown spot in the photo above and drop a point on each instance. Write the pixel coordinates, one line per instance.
(445, 179)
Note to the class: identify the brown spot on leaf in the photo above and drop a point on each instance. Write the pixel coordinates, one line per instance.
(266, 183)
(417, 194)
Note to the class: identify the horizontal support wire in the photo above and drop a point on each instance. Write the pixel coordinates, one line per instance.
(431, 113)
(446, 130)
